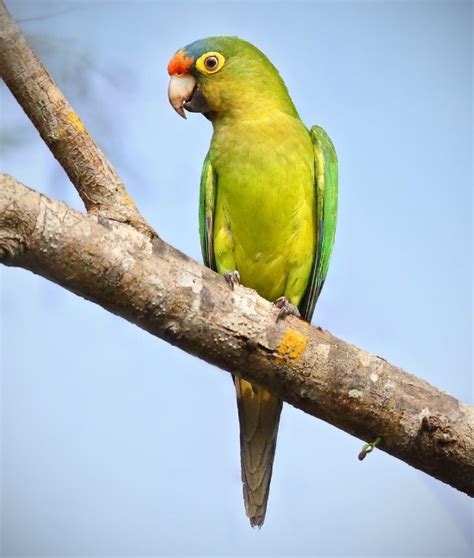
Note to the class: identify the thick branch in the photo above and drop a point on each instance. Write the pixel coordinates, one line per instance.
(130, 272)
(164, 292)
(61, 128)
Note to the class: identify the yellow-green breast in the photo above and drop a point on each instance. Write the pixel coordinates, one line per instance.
(265, 209)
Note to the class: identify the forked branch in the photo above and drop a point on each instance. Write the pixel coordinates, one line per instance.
(110, 256)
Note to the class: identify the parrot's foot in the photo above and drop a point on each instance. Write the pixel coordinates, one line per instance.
(367, 448)
(286, 308)
(232, 278)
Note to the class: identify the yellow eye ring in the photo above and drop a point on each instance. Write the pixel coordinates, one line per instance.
(210, 62)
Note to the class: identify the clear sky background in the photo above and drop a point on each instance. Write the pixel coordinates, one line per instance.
(115, 443)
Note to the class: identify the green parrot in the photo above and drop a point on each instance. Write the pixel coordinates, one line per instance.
(268, 206)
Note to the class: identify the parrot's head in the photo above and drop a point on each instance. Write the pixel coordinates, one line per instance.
(221, 76)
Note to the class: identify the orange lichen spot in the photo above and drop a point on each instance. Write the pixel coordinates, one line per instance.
(292, 344)
(74, 119)
(90, 250)
(179, 64)
(127, 200)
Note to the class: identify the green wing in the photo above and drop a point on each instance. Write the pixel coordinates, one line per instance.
(326, 178)
(326, 182)
(207, 202)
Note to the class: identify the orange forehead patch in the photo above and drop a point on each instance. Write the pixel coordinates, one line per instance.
(180, 63)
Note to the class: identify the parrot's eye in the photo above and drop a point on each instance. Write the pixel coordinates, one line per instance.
(210, 62)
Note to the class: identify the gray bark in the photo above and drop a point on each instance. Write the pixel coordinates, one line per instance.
(112, 257)
(62, 130)
(161, 290)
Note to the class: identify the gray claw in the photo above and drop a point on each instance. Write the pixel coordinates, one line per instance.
(232, 278)
(286, 308)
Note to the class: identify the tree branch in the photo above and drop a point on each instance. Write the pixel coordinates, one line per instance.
(154, 286)
(61, 128)
(112, 257)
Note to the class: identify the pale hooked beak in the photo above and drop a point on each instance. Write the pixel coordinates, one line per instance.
(183, 93)
(180, 90)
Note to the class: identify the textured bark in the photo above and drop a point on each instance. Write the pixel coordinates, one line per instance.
(112, 257)
(61, 128)
(166, 293)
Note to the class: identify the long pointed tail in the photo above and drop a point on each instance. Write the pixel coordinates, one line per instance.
(259, 417)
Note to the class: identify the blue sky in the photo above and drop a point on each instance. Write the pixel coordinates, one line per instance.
(115, 443)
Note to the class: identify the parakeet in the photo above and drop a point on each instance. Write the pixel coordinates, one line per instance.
(268, 205)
